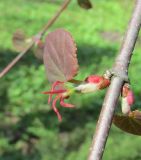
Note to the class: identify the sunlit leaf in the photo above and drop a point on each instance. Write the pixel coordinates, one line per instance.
(60, 56)
(129, 123)
(20, 41)
(86, 4)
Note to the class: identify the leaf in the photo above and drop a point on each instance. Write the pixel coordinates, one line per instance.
(86, 4)
(60, 57)
(20, 41)
(129, 123)
(75, 81)
(38, 50)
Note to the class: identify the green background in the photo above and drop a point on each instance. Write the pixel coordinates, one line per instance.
(29, 129)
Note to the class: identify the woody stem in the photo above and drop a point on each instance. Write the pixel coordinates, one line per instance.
(111, 98)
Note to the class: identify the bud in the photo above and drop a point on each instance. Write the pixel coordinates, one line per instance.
(127, 99)
(93, 83)
(130, 98)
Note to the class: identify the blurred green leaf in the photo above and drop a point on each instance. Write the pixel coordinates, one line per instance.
(86, 4)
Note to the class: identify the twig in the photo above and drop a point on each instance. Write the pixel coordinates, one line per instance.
(63, 7)
(110, 101)
(39, 35)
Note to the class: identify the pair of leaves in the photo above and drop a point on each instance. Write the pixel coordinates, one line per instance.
(58, 53)
(129, 123)
(86, 4)
(21, 42)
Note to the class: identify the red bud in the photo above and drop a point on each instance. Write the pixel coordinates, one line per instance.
(127, 99)
(130, 98)
(93, 79)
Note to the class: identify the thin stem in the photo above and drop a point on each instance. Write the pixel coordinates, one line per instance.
(51, 21)
(110, 101)
(15, 60)
(40, 35)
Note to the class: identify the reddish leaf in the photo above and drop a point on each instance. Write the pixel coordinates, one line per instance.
(86, 4)
(20, 41)
(60, 56)
(129, 123)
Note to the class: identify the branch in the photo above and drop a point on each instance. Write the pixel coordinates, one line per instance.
(110, 101)
(39, 35)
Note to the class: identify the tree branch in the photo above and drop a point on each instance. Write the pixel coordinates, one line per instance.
(110, 101)
(39, 35)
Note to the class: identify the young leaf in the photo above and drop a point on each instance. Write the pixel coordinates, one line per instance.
(60, 57)
(129, 123)
(38, 50)
(20, 41)
(86, 4)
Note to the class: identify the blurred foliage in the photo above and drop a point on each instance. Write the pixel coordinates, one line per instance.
(29, 129)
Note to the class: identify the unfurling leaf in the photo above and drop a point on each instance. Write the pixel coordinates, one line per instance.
(130, 123)
(86, 4)
(20, 41)
(60, 57)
